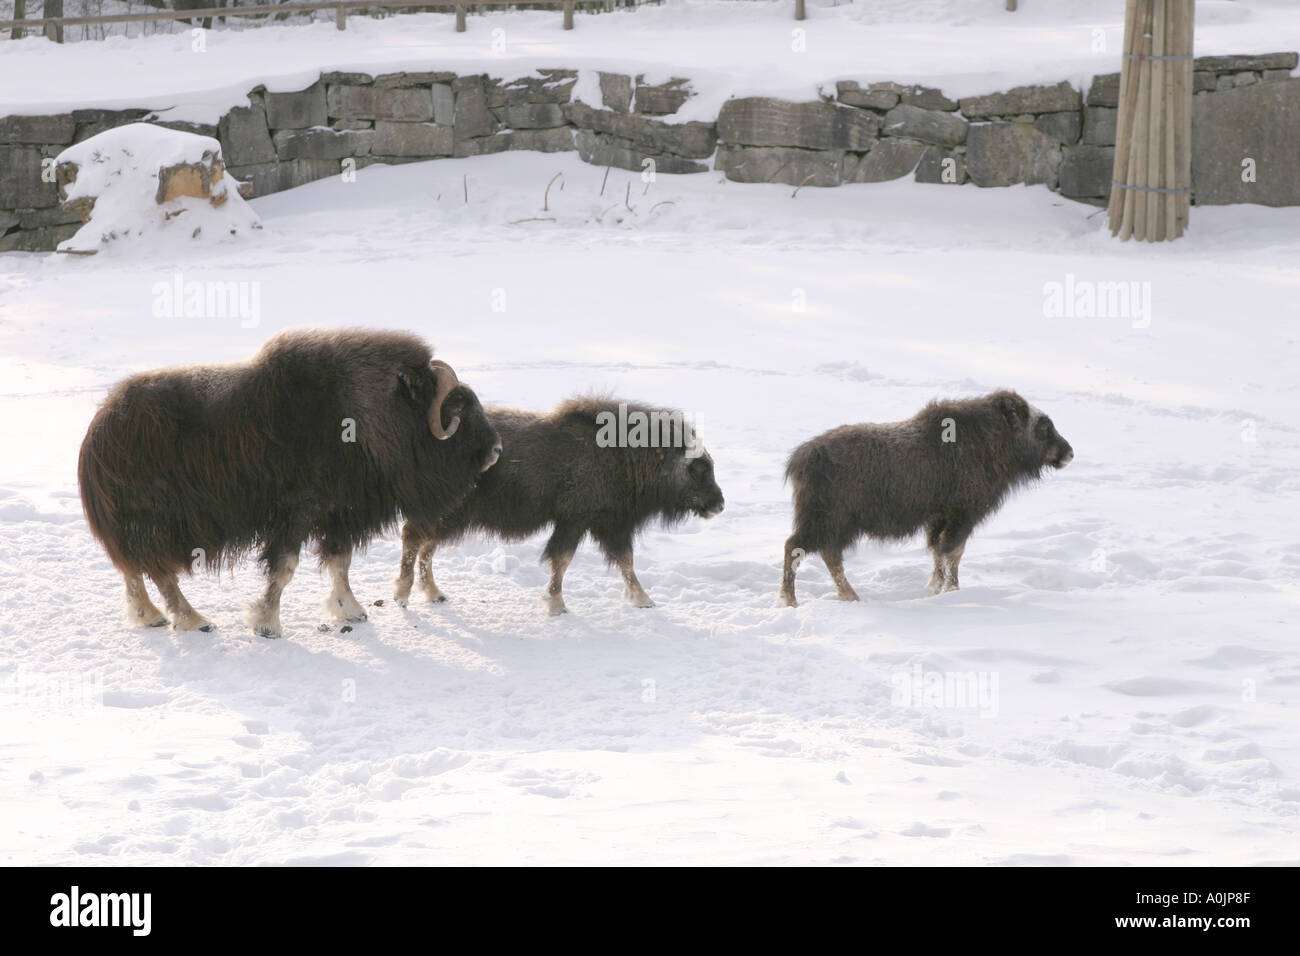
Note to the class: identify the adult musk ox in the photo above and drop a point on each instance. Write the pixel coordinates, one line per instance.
(323, 435)
(573, 471)
(945, 470)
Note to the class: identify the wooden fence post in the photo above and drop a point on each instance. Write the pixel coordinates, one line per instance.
(460, 18)
(1151, 187)
(799, 13)
(568, 14)
(341, 17)
(53, 8)
(20, 13)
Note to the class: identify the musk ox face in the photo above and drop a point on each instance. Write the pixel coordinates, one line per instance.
(1056, 450)
(700, 493)
(1040, 444)
(454, 412)
(472, 425)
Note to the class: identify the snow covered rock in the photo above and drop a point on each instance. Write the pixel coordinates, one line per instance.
(937, 127)
(1259, 123)
(888, 159)
(662, 99)
(142, 181)
(782, 164)
(1023, 99)
(1002, 154)
(763, 121)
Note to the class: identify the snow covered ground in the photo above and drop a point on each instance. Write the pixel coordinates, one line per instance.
(1130, 622)
(725, 47)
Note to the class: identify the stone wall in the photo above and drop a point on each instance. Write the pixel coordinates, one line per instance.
(1247, 108)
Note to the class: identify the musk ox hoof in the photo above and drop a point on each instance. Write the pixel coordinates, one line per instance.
(787, 600)
(192, 622)
(159, 621)
(345, 609)
(850, 596)
(261, 623)
(638, 600)
(554, 606)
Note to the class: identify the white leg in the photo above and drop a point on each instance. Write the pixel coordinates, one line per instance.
(835, 565)
(633, 593)
(140, 611)
(406, 570)
(554, 597)
(428, 586)
(264, 616)
(183, 616)
(950, 575)
(342, 604)
(939, 574)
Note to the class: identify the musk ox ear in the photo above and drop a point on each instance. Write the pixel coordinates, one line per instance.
(1015, 409)
(407, 382)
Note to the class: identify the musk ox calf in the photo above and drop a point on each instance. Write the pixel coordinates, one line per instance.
(945, 470)
(324, 435)
(572, 471)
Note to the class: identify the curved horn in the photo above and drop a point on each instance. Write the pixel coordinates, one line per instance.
(447, 381)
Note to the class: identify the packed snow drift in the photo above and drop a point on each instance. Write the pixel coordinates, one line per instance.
(1114, 683)
(724, 47)
(134, 178)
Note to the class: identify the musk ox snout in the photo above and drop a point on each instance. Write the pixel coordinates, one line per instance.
(701, 495)
(487, 442)
(468, 422)
(1056, 451)
(714, 505)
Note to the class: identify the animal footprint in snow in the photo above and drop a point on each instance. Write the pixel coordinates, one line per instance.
(919, 829)
(556, 784)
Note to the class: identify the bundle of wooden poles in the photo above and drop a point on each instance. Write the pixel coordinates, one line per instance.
(1152, 181)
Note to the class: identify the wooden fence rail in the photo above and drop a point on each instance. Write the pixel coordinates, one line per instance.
(53, 26)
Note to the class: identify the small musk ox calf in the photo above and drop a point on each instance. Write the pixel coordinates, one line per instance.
(945, 469)
(326, 435)
(568, 470)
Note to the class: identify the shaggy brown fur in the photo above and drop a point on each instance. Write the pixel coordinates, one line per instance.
(222, 460)
(890, 481)
(553, 473)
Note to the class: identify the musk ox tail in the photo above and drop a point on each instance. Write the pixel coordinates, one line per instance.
(809, 464)
(811, 472)
(127, 477)
(99, 489)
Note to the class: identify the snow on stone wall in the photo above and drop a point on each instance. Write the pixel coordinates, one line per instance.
(1247, 111)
